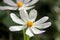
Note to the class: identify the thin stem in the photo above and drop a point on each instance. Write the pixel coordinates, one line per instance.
(24, 35)
(28, 38)
(10, 36)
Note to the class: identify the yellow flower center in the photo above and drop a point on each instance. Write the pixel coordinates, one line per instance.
(19, 4)
(29, 23)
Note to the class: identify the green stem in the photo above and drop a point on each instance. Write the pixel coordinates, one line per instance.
(28, 38)
(25, 36)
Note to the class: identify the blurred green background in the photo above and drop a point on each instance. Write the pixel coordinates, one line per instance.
(50, 8)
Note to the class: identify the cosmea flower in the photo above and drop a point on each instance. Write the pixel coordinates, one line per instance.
(28, 21)
(20, 4)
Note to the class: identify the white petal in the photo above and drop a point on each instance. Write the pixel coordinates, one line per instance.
(21, 8)
(9, 2)
(19, 0)
(16, 19)
(7, 8)
(26, 1)
(26, 8)
(37, 31)
(24, 15)
(44, 25)
(32, 2)
(16, 28)
(42, 20)
(33, 15)
(29, 33)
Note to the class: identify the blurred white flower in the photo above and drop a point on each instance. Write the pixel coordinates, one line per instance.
(57, 7)
(57, 37)
(57, 10)
(20, 4)
(28, 21)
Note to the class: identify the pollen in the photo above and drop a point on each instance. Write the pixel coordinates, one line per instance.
(29, 23)
(19, 4)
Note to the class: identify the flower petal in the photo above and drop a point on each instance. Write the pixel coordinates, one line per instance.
(9, 2)
(26, 1)
(24, 15)
(37, 31)
(16, 28)
(42, 20)
(29, 33)
(26, 8)
(44, 25)
(16, 19)
(19, 0)
(7, 8)
(33, 15)
(32, 2)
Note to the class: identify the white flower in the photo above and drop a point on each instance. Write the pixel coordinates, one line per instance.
(20, 4)
(28, 21)
(57, 9)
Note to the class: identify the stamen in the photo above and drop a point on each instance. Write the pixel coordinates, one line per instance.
(29, 23)
(19, 4)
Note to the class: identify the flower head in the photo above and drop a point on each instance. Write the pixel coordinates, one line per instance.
(28, 21)
(20, 4)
